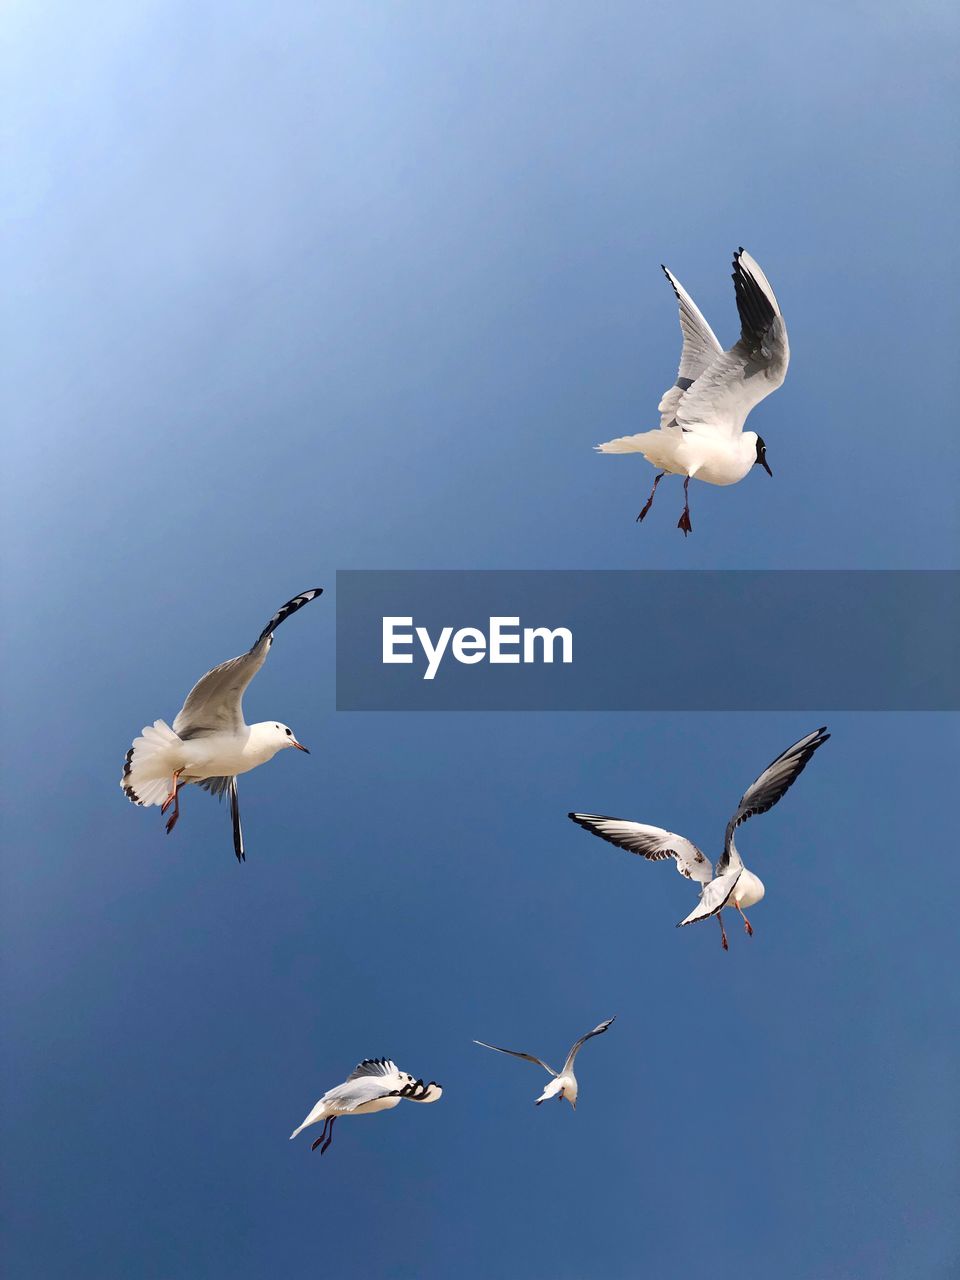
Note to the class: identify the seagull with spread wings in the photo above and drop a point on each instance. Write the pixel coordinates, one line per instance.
(375, 1084)
(702, 415)
(209, 743)
(729, 884)
(564, 1082)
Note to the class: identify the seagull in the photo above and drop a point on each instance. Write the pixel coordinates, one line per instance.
(376, 1084)
(209, 743)
(730, 884)
(702, 415)
(564, 1082)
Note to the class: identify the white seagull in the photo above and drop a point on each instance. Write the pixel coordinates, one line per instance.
(376, 1084)
(731, 884)
(209, 743)
(702, 415)
(564, 1082)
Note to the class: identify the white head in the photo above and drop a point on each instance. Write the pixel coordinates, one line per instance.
(276, 736)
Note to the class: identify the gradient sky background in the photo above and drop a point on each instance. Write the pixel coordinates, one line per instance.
(317, 286)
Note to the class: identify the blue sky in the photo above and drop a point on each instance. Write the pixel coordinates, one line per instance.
(346, 286)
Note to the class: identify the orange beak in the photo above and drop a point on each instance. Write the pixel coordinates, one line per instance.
(300, 746)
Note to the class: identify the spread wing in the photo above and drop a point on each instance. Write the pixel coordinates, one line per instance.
(215, 703)
(714, 897)
(515, 1053)
(652, 843)
(763, 794)
(378, 1068)
(740, 378)
(578, 1045)
(700, 349)
(351, 1094)
(420, 1092)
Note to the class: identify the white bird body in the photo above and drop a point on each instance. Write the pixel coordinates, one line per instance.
(730, 883)
(702, 415)
(747, 891)
(564, 1082)
(375, 1084)
(210, 744)
(689, 453)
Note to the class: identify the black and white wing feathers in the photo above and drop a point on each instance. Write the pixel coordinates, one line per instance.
(738, 379)
(215, 703)
(700, 349)
(578, 1044)
(764, 793)
(652, 843)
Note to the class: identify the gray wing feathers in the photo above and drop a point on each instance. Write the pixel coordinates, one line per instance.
(578, 1045)
(700, 349)
(714, 897)
(764, 793)
(215, 703)
(652, 843)
(756, 366)
(515, 1053)
(374, 1067)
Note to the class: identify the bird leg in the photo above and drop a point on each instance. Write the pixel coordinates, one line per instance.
(323, 1134)
(649, 502)
(684, 521)
(723, 932)
(173, 799)
(329, 1136)
(748, 927)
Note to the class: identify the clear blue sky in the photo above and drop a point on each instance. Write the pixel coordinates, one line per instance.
(301, 287)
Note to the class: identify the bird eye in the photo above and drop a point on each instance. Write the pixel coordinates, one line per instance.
(289, 733)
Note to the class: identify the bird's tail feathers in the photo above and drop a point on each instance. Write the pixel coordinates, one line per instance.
(625, 444)
(150, 764)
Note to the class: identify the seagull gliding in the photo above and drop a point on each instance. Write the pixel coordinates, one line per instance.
(564, 1082)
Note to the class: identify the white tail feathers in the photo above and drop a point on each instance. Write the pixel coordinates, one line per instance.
(624, 444)
(150, 764)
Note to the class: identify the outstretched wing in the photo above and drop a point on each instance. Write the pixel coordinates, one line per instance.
(214, 704)
(714, 897)
(700, 349)
(740, 378)
(515, 1053)
(763, 794)
(346, 1097)
(420, 1092)
(578, 1045)
(652, 843)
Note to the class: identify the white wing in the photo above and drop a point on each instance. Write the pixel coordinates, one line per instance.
(215, 703)
(515, 1053)
(700, 349)
(714, 897)
(764, 793)
(578, 1045)
(652, 843)
(740, 378)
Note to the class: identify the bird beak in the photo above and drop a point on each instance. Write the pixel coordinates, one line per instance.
(300, 746)
(766, 466)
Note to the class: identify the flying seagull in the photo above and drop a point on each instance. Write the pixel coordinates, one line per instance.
(376, 1084)
(209, 743)
(730, 883)
(564, 1082)
(702, 415)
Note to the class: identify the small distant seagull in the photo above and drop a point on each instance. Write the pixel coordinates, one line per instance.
(375, 1085)
(701, 417)
(564, 1082)
(731, 884)
(209, 743)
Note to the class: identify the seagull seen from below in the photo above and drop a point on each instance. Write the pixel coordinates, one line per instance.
(209, 743)
(376, 1084)
(564, 1082)
(730, 884)
(702, 415)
